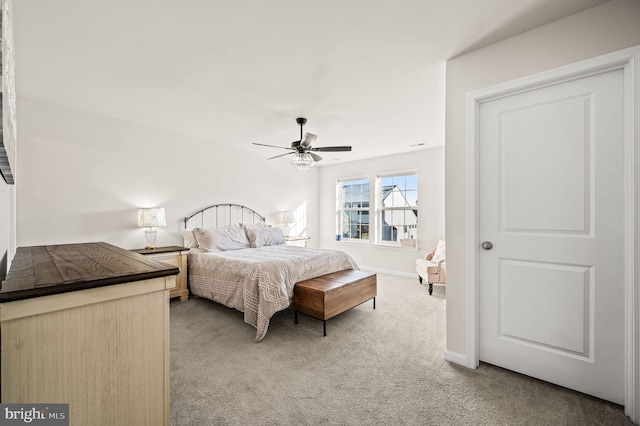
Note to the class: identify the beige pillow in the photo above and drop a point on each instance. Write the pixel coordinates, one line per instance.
(228, 238)
(265, 236)
(189, 239)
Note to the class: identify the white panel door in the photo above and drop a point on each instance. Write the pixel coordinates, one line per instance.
(552, 204)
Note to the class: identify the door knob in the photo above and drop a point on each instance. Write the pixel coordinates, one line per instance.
(487, 245)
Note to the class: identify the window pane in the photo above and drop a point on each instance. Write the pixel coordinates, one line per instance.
(388, 233)
(355, 224)
(394, 198)
(412, 182)
(354, 209)
(412, 198)
(365, 232)
(398, 209)
(355, 193)
(399, 224)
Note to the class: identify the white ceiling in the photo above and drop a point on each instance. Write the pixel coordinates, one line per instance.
(366, 73)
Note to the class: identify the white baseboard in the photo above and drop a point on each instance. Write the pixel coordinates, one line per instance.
(456, 358)
(390, 272)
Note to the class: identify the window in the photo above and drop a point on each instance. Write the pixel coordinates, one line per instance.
(353, 209)
(397, 208)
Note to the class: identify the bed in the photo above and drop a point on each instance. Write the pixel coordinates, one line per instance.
(237, 260)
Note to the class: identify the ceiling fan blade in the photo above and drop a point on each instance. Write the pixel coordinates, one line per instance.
(272, 146)
(281, 155)
(331, 148)
(309, 138)
(315, 157)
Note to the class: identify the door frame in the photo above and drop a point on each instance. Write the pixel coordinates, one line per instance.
(627, 60)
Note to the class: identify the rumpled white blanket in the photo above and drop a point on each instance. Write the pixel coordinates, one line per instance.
(259, 281)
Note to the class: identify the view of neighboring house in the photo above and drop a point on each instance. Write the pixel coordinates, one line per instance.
(396, 209)
(399, 220)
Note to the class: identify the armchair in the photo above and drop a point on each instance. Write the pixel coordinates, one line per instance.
(433, 267)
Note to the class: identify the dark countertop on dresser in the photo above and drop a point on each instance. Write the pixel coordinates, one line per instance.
(45, 270)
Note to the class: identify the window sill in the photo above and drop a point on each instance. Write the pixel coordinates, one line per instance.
(353, 241)
(379, 245)
(395, 247)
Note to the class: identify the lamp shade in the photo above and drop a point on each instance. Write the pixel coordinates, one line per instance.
(286, 216)
(151, 217)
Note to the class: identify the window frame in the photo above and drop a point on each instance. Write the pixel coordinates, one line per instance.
(380, 209)
(340, 209)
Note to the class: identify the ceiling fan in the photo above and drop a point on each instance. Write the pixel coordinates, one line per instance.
(304, 155)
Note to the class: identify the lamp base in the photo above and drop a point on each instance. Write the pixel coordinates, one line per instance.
(150, 235)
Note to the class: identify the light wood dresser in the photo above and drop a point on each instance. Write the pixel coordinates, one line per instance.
(88, 325)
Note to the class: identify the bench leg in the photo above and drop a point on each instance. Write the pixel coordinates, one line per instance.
(324, 323)
(374, 303)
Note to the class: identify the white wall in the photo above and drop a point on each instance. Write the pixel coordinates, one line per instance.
(430, 166)
(606, 28)
(82, 177)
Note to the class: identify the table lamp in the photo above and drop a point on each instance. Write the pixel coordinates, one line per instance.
(150, 218)
(286, 219)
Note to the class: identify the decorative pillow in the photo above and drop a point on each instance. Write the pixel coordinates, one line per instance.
(230, 237)
(265, 236)
(433, 252)
(189, 239)
(440, 252)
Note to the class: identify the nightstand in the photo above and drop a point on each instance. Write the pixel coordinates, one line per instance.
(176, 256)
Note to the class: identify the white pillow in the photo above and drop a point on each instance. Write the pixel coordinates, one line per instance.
(228, 238)
(256, 225)
(440, 252)
(265, 236)
(189, 239)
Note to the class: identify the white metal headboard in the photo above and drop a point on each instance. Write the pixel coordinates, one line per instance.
(220, 215)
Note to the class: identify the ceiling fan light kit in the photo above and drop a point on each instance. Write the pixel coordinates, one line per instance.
(303, 157)
(302, 161)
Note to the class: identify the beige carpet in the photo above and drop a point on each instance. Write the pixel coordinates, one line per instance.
(375, 367)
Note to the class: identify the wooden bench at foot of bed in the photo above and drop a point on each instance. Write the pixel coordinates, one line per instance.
(332, 294)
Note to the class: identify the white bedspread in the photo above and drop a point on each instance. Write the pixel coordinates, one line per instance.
(259, 281)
